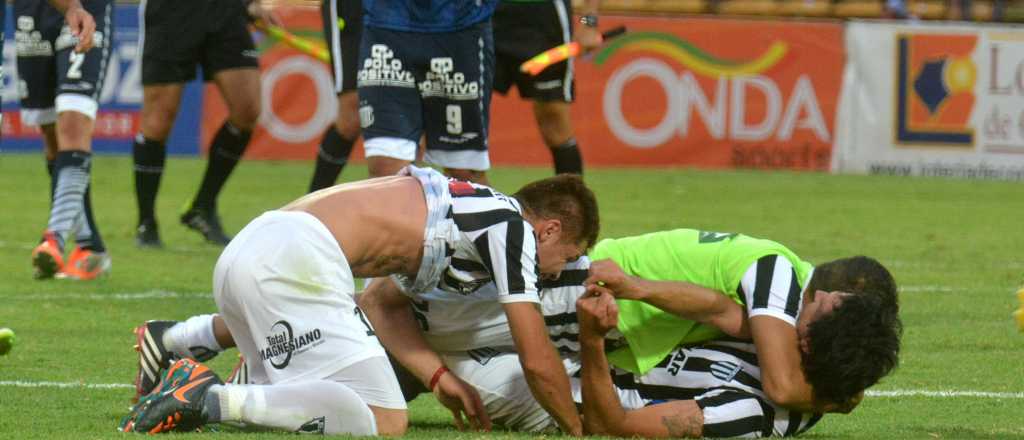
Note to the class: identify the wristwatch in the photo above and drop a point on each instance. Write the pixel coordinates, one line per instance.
(589, 20)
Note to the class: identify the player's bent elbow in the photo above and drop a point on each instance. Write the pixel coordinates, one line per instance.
(780, 393)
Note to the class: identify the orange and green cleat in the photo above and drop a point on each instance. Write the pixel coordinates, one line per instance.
(48, 257)
(177, 404)
(84, 264)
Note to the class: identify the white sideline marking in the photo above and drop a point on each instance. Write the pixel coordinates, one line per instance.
(34, 384)
(887, 393)
(125, 296)
(943, 394)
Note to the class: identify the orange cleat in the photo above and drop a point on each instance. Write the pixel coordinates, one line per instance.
(84, 264)
(48, 257)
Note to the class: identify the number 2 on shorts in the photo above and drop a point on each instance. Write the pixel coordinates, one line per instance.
(76, 60)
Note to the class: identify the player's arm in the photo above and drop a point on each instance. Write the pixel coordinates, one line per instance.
(602, 411)
(390, 312)
(772, 294)
(686, 300)
(79, 21)
(542, 366)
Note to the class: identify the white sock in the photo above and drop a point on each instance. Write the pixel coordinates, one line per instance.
(193, 338)
(311, 407)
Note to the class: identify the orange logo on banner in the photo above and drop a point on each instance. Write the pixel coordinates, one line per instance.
(935, 80)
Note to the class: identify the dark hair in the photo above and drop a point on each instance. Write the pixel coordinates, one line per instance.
(566, 198)
(859, 275)
(851, 348)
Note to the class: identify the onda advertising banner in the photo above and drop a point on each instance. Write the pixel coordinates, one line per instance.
(932, 100)
(695, 92)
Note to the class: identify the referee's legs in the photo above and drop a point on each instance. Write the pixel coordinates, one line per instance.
(555, 125)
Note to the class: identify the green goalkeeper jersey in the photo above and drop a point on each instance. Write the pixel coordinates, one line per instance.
(713, 260)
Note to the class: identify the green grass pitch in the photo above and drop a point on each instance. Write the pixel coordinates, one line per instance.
(955, 247)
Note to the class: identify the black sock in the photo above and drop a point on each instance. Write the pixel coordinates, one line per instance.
(330, 159)
(225, 151)
(93, 241)
(567, 158)
(53, 182)
(149, 158)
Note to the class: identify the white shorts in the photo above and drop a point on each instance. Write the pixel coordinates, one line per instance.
(498, 377)
(285, 291)
(404, 149)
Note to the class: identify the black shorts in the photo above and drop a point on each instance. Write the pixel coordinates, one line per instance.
(523, 30)
(343, 43)
(180, 34)
(437, 84)
(49, 67)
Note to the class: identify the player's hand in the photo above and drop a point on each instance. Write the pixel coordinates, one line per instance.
(597, 312)
(82, 27)
(461, 398)
(258, 13)
(588, 37)
(608, 274)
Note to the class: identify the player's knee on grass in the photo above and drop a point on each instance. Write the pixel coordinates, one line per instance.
(390, 422)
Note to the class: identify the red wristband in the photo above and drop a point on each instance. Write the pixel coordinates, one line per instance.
(437, 376)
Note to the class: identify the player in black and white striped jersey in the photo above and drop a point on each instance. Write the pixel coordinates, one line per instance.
(503, 246)
(722, 378)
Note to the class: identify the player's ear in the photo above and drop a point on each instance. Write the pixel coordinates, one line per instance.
(550, 230)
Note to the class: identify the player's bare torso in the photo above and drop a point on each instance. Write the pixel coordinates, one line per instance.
(378, 223)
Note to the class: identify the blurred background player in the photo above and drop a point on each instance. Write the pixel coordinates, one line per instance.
(525, 28)
(177, 36)
(343, 28)
(61, 69)
(427, 71)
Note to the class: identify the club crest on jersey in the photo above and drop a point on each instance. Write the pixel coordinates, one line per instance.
(282, 344)
(725, 370)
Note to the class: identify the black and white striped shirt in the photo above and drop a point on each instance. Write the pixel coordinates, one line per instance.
(495, 245)
(724, 378)
(770, 288)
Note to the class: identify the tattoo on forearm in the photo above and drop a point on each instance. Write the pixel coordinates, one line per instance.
(683, 425)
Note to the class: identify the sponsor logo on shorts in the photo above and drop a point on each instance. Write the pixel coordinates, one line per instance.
(315, 426)
(29, 41)
(251, 53)
(66, 41)
(282, 344)
(444, 82)
(80, 86)
(460, 139)
(383, 69)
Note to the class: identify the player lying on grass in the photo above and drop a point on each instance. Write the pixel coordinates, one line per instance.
(284, 289)
(472, 341)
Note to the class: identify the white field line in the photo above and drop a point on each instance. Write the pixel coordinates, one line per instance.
(943, 394)
(123, 296)
(887, 393)
(44, 384)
